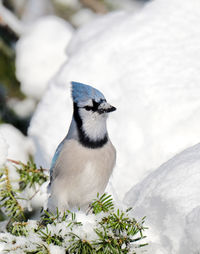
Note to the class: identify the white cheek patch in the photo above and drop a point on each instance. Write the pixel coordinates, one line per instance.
(85, 114)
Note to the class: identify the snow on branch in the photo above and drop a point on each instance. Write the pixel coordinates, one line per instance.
(104, 229)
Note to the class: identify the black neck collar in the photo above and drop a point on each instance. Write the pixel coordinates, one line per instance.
(83, 138)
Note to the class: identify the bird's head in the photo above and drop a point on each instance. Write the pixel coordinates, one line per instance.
(90, 111)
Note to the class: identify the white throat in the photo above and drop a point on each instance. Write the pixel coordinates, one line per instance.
(94, 125)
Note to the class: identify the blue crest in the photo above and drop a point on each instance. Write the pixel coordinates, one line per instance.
(82, 92)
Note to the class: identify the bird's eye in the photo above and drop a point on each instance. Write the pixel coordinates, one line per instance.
(88, 108)
(102, 100)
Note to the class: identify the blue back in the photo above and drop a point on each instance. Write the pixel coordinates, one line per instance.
(82, 92)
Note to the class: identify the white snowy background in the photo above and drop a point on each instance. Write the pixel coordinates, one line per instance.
(147, 64)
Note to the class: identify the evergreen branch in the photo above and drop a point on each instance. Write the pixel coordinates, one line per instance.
(9, 198)
(30, 175)
(115, 231)
(19, 229)
(102, 204)
(79, 245)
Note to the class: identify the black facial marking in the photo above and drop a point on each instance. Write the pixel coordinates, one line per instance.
(95, 105)
(88, 108)
(83, 138)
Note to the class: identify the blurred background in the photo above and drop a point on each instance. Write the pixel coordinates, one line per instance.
(147, 64)
(17, 22)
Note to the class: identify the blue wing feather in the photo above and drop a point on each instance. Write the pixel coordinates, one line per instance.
(55, 157)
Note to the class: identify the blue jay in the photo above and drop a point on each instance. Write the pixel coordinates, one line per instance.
(84, 160)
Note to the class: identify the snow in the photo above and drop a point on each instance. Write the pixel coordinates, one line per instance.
(20, 244)
(56, 249)
(19, 146)
(169, 197)
(88, 225)
(84, 230)
(192, 225)
(15, 146)
(22, 108)
(2, 246)
(40, 198)
(40, 53)
(3, 150)
(83, 226)
(147, 65)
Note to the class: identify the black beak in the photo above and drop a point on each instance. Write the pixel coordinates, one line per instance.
(106, 108)
(111, 109)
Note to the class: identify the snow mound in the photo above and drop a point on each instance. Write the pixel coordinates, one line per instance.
(19, 146)
(192, 232)
(147, 65)
(40, 53)
(170, 198)
(22, 108)
(3, 150)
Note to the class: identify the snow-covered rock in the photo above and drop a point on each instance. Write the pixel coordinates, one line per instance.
(169, 197)
(147, 65)
(40, 53)
(19, 146)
